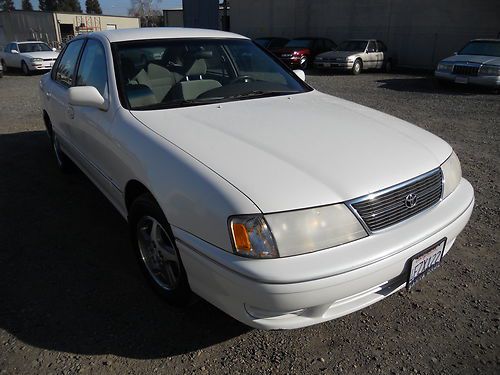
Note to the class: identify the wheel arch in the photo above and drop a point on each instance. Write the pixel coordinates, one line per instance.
(134, 189)
(48, 123)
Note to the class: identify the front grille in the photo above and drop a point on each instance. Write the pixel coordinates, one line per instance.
(466, 70)
(393, 205)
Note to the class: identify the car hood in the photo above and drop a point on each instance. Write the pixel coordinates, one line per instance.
(41, 54)
(335, 54)
(299, 151)
(474, 59)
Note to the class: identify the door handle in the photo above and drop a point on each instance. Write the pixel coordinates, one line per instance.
(48, 95)
(71, 112)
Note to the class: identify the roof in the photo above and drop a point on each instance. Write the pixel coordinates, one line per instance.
(123, 35)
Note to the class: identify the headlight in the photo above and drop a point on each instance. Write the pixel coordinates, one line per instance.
(445, 67)
(252, 237)
(452, 174)
(489, 70)
(36, 60)
(305, 231)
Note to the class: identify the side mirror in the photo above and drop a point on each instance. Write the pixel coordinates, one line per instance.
(14, 51)
(87, 96)
(54, 49)
(300, 73)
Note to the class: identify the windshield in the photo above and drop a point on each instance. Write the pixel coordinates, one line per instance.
(195, 72)
(300, 43)
(352, 46)
(33, 47)
(484, 48)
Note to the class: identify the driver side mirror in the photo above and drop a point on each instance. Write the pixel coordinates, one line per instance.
(14, 51)
(300, 73)
(87, 96)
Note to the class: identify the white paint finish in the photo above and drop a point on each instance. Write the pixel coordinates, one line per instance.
(276, 149)
(86, 96)
(165, 33)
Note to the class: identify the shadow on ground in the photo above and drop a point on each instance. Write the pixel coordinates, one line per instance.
(68, 278)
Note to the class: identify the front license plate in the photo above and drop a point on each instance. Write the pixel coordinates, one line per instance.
(425, 262)
(462, 80)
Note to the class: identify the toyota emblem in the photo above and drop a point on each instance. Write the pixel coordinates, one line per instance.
(411, 200)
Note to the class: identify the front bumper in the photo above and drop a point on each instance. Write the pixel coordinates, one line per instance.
(46, 65)
(308, 289)
(490, 81)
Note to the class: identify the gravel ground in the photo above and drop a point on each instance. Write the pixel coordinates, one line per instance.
(72, 300)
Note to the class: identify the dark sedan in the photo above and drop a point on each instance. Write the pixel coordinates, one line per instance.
(300, 52)
(272, 43)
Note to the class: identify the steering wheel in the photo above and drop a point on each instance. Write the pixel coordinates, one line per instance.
(243, 79)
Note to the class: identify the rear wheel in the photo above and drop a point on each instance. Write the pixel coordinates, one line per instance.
(25, 69)
(356, 67)
(388, 66)
(157, 253)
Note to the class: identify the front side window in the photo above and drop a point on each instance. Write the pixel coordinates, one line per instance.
(483, 48)
(92, 69)
(195, 72)
(371, 47)
(33, 47)
(66, 68)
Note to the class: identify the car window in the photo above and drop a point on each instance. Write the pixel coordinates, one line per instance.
(319, 45)
(92, 70)
(276, 43)
(34, 47)
(66, 68)
(381, 46)
(481, 47)
(371, 47)
(329, 45)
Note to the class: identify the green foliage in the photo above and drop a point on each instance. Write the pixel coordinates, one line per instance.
(26, 5)
(7, 5)
(93, 7)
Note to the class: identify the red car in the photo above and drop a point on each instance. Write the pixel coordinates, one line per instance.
(300, 52)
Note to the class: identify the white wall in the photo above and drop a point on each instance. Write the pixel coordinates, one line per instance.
(421, 32)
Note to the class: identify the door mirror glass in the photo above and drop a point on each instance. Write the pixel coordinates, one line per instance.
(14, 51)
(300, 73)
(86, 96)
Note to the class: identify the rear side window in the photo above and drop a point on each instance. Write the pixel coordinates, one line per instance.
(65, 71)
(381, 46)
(92, 70)
(371, 47)
(329, 45)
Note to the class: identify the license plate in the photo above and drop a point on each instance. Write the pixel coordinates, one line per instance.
(462, 80)
(425, 262)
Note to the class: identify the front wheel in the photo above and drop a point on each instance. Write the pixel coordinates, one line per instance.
(157, 253)
(4, 66)
(356, 67)
(25, 69)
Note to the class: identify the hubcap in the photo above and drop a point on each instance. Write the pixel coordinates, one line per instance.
(158, 253)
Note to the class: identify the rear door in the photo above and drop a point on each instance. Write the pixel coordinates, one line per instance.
(62, 114)
(381, 54)
(370, 60)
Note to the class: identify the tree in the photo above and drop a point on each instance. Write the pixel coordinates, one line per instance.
(68, 6)
(93, 7)
(7, 5)
(149, 13)
(26, 5)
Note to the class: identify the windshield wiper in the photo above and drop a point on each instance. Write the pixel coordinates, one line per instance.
(179, 103)
(261, 94)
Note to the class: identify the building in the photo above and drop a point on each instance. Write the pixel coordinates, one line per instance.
(56, 28)
(420, 32)
(198, 15)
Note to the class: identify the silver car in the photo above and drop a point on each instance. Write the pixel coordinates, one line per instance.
(477, 63)
(356, 55)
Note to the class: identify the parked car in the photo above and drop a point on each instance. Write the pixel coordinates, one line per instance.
(300, 52)
(280, 205)
(1, 71)
(28, 56)
(477, 63)
(272, 43)
(356, 55)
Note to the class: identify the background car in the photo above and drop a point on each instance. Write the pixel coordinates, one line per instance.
(1, 70)
(477, 63)
(300, 52)
(272, 43)
(28, 56)
(356, 55)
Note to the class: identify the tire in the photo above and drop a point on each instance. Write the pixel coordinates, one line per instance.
(357, 67)
(156, 251)
(4, 66)
(25, 69)
(1, 73)
(64, 163)
(304, 63)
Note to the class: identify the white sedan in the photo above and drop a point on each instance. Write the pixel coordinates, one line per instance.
(281, 205)
(28, 56)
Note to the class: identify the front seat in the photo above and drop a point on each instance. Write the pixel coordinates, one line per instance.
(191, 89)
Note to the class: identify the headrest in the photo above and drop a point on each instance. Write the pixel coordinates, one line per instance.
(199, 67)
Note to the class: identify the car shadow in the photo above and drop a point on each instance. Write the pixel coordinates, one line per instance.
(68, 277)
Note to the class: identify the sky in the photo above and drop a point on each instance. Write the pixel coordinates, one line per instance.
(114, 7)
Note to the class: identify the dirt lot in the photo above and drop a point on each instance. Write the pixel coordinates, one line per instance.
(72, 300)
